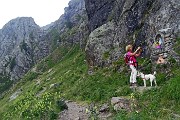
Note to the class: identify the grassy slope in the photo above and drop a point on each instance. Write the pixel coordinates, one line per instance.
(69, 71)
(162, 103)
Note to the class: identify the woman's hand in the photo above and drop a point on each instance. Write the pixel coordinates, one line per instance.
(139, 51)
(139, 48)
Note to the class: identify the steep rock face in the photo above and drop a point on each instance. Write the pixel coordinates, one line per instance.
(23, 43)
(20, 47)
(98, 12)
(71, 27)
(135, 22)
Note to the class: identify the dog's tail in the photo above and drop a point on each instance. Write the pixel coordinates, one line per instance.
(154, 73)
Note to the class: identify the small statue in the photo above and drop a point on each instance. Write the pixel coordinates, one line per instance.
(160, 60)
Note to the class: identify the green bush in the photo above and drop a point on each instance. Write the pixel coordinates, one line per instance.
(106, 55)
(12, 63)
(177, 46)
(172, 60)
(61, 105)
(69, 24)
(23, 46)
(30, 107)
(54, 39)
(5, 83)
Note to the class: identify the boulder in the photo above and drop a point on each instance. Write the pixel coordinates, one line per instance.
(120, 103)
(55, 85)
(15, 95)
(104, 108)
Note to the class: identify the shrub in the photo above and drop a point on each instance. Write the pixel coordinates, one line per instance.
(12, 63)
(106, 55)
(5, 83)
(172, 60)
(69, 24)
(23, 46)
(61, 105)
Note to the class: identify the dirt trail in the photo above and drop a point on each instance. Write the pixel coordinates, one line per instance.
(74, 112)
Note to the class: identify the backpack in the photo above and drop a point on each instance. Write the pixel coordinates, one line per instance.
(130, 60)
(126, 58)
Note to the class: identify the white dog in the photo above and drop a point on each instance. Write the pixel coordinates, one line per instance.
(150, 77)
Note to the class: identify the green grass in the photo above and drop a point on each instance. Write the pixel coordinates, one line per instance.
(177, 46)
(161, 103)
(66, 67)
(5, 84)
(69, 70)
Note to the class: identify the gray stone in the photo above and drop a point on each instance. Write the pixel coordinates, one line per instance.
(142, 89)
(78, 118)
(73, 113)
(99, 45)
(135, 22)
(98, 12)
(115, 100)
(55, 85)
(15, 95)
(104, 108)
(120, 103)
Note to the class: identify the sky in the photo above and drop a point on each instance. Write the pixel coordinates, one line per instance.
(43, 11)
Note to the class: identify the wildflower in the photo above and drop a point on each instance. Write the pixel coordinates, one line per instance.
(87, 111)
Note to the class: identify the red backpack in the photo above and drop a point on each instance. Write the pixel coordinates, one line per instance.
(126, 58)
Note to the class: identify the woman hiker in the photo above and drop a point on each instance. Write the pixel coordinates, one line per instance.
(132, 62)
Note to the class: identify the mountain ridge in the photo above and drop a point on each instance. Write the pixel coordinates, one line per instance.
(83, 62)
(24, 43)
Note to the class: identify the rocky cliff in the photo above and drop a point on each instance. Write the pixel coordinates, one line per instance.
(20, 47)
(103, 28)
(71, 27)
(116, 23)
(23, 43)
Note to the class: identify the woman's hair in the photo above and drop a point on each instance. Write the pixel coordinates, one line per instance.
(128, 47)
